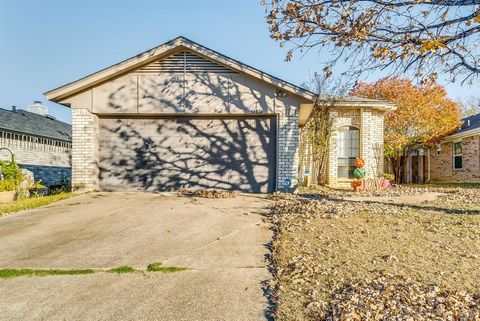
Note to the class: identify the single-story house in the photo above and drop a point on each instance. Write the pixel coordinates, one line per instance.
(41, 145)
(182, 115)
(457, 158)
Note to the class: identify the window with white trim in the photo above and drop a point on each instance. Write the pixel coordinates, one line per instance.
(457, 155)
(348, 140)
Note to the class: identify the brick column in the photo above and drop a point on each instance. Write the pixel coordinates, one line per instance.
(84, 150)
(287, 145)
(332, 165)
(371, 141)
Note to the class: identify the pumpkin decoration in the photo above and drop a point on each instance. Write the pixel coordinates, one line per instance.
(359, 173)
(359, 162)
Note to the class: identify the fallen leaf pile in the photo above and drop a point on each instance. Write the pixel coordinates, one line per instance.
(392, 191)
(400, 299)
(305, 208)
(467, 196)
(205, 193)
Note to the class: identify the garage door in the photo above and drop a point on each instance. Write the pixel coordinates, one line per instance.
(161, 154)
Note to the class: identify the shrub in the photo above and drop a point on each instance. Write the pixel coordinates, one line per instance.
(8, 185)
(11, 171)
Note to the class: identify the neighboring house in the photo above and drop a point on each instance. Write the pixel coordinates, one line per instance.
(182, 115)
(457, 158)
(41, 144)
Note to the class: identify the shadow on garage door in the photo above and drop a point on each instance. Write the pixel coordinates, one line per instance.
(166, 153)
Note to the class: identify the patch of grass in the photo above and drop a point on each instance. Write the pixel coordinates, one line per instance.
(12, 273)
(122, 269)
(159, 267)
(153, 267)
(30, 203)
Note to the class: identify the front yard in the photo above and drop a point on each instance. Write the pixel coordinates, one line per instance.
(338, 256)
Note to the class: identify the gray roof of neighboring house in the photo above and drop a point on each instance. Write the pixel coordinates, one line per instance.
(22, 121)
(474, 123)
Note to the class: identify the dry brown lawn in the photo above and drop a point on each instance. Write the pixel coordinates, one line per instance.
(320, 246)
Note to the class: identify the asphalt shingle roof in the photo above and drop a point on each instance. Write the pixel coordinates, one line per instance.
(474, 123)
(22, 121)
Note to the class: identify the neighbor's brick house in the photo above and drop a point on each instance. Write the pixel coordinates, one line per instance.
(457, 158)
(41, 144)
(183, 115)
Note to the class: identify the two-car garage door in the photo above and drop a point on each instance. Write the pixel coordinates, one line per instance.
(162, 153)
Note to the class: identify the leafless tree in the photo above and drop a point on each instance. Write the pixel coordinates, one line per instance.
(470, 106)
(315, 135)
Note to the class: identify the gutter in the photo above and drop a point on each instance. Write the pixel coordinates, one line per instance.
(467, 133)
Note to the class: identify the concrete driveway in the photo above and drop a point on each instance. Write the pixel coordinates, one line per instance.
(221, 241)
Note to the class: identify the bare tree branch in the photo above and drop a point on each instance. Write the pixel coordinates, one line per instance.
(421, 37)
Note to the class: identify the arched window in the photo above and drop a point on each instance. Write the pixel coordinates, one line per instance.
(348, 145)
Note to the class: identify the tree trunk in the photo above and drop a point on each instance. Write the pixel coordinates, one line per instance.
(398, 165)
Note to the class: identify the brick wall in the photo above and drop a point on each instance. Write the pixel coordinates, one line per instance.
(371, 141)
(48, 175)
(371, 125)
(442, 165)
(287, 144)
(44, 162)
(85, 149)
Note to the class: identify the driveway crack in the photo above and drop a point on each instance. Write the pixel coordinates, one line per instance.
(218, 239)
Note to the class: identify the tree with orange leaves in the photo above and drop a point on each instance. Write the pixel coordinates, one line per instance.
(424, 115)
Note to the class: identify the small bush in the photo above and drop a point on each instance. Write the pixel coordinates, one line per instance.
(8, 185)
(12, 176)
(11, 171)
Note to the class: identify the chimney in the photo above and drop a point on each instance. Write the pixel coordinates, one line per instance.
(38, 108)
(14, 108)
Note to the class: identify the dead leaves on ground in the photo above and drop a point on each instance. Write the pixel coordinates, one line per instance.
(324, 276)
(400, 299)
(207, 193)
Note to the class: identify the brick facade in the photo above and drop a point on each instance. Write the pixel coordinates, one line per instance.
(442, 164)
(85, 149)
(371, 125)
(42, 160)
(287, 145)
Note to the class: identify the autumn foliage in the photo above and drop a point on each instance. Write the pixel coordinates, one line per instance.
(424, 115)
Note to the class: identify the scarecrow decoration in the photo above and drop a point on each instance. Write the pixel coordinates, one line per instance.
(358, 174)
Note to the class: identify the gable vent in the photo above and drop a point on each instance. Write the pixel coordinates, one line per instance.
(183, 62)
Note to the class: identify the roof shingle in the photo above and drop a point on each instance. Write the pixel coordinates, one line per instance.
(470, 123)
(22, 121)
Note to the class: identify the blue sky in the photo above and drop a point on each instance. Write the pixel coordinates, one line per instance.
(47, 43)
